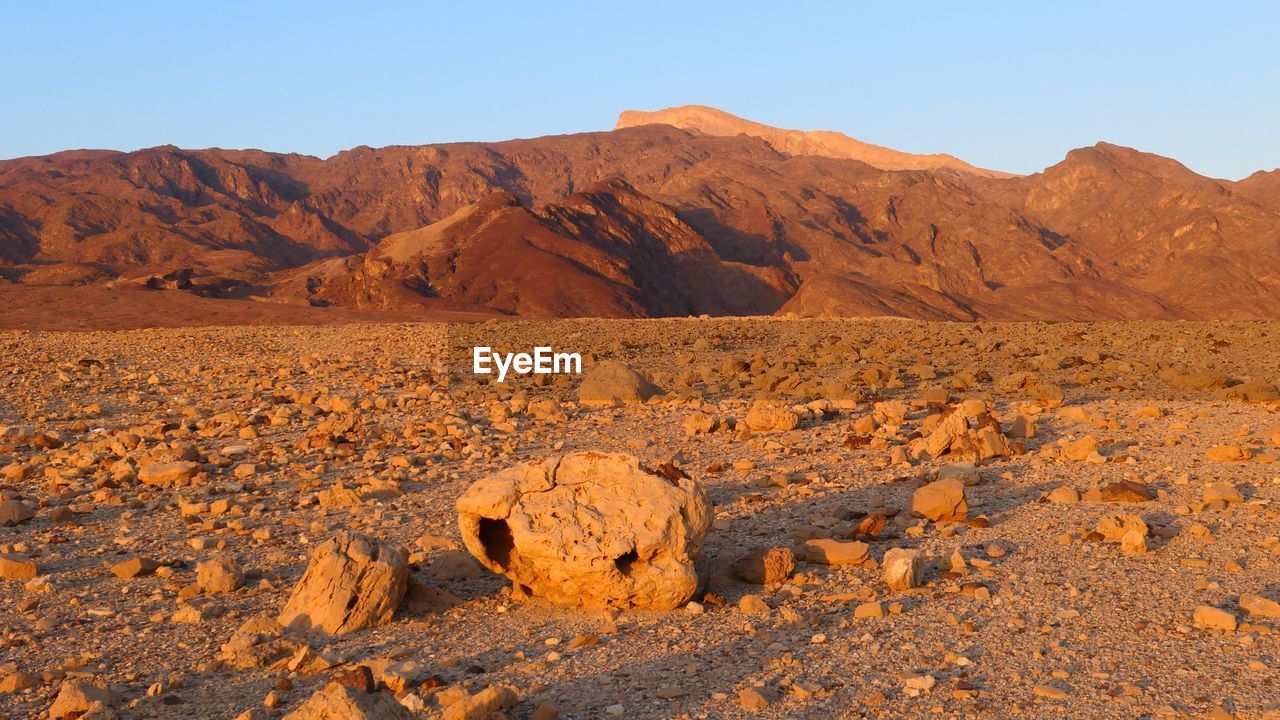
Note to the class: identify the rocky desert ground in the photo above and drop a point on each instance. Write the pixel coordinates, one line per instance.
(720, 518)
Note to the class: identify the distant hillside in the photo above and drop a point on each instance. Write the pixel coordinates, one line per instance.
(649, 220)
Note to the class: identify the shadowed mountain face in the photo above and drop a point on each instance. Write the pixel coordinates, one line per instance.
(651, 220)
(609, 251)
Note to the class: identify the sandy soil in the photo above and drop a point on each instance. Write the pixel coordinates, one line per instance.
(1045, 620)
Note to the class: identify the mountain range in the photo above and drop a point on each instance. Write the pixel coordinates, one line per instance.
(676, 212)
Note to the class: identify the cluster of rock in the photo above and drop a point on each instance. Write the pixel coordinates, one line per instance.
(965, 431)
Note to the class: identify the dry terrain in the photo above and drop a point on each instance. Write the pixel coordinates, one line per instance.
(1113, 551)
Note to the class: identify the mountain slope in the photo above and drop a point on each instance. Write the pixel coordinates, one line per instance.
(825, 143)
(608, 251)
(1155, 225)
(1262, 187)
(649, 220)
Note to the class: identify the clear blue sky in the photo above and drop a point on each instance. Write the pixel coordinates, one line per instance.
(1003, 85)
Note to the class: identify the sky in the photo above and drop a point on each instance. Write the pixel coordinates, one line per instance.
(1010, 86)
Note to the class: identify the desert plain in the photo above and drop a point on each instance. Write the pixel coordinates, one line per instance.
(1081, 520)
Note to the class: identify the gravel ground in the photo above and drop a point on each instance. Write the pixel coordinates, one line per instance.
(1044, 621)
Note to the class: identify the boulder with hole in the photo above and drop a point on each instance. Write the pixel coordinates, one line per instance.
(591, 529)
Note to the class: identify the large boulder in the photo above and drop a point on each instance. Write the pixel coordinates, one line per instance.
(591, 529)
(352, 582)
(614, 383)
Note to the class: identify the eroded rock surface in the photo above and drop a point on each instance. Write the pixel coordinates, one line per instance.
(352, 582)
(591, 529)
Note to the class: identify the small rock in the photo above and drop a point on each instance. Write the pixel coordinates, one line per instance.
(1052, 692)
(220, 574)
(351, 583)
(336, 701)
(81, 697)
(17, 682)
(751, 699)
(545, 711)
(965, 472)
(871, 609)
(1064, 495)
(1222, 492)
(1080, 449)
(1133, 542)
(15, 512)
(614, 383)
(358, 678)
(767, 417)
(1212, 618)
(903, 569)
(920, 683)
(17, 567)
(753, 605)
(669, 692)
(134, 567)
(699, 423)
(941, 500)
(766, 566)
(1227, 453)
(1120, 491)
(1258, 606)
(1114, 527)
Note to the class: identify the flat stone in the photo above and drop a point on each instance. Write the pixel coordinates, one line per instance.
(826, 551)
(17, 567)
(751, 699)
(1212, 618)
(1258, 606)
(133, 567)
(167, 474)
